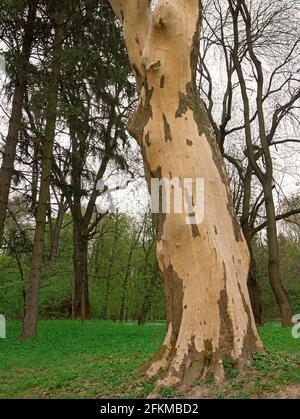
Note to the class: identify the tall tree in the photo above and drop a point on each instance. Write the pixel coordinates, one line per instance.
(265, 177)
(204, 266)
(257, 104)
(96, 98)
(32, 298)
(9, 152)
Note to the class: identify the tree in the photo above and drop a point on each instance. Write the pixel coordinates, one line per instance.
(259, 58)
(32, 298)
(9, 152)
(94, 104)
(266, 137)
(205, 266)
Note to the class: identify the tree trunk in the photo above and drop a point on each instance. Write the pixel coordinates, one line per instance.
(274, 259)
(254, 289)
(32, 300)
(204, 266)
(9, 154)
(55, 236)
(81, 280)
(147, 300)
(253, 281)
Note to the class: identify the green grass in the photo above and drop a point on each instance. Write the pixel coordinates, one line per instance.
(100, 359)
(73, 360)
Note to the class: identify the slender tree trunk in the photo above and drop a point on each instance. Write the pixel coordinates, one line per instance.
(266, 178)
(204, 266)
(32, 300)
(9, 154)
(274, 259)
(124, 287)
(254, 289)
(253, 281)
(105, 309)
(55, 236)
(147, 301)
(81, 280)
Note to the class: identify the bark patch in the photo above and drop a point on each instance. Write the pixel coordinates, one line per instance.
(195, 231)
(167, 129)
(173, 286)
(147, 139)
(141, 116)
(249, 344)
(159, 218)
(226, 340)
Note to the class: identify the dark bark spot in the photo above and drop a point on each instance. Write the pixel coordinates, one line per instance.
(189, 142)
(195, 231)
(162, 82)
(159, 218)
(167, 129)
(161, 22)
(147, 139)
(216, 231)
(155, 66)
(173, 286)
(141, 117)
(249, 343)
(182, 107)
(226, 339)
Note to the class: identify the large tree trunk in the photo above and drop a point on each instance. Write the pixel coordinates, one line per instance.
(204, 266)
(274, 259)
(81, 280)
(9, 154)
(32, 300)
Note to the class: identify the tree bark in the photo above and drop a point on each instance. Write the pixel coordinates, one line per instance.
(274, 259)
(81, 280)
(9, 154)
(253, 281)
(56, 232)
(254, 289)
(147, 300)
(32, 300)
(204, 267)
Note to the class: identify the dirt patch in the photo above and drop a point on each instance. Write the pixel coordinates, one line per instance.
(291, 392)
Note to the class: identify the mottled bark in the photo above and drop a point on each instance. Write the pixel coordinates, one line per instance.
(204, 266)
(32, 297)
(9, 152)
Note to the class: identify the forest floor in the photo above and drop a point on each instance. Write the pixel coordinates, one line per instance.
(99, 359)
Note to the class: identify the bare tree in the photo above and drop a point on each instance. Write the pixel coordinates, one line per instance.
(260, 62)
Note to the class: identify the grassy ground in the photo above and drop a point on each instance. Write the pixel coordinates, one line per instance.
(100, 359)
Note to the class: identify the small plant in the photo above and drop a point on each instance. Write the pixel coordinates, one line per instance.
(210, 381)
(230, 371)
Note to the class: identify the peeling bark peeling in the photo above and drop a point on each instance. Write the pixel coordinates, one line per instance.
(209, 315)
